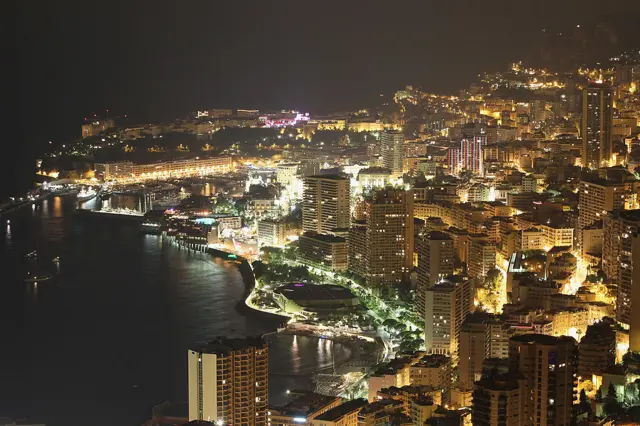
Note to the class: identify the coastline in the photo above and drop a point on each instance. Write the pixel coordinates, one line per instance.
(249, 284)
(249, 281)
(354, 345)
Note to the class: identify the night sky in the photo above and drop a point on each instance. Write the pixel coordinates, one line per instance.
(156, 59)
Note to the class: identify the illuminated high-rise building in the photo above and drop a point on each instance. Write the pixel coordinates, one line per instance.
(469, 155)
(597, 122)
(619, 227)
(447, 305)
(482, 255)
(326, 204)
(498, 400)
(595, 198)
(392, 147)
(435, 261)
(549, 366)
(482, 336)
(381, 245)
(228, 382)
(453, 160)
(633, 271)
(357, 250)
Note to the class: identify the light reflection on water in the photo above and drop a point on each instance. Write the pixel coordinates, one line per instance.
(122, 311)
(7, 236)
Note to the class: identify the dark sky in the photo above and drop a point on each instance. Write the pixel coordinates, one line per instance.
(159, 58)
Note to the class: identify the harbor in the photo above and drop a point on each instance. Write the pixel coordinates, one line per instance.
(163, 293)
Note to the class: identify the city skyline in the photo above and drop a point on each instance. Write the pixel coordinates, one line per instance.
(349, 215)
(321, 80)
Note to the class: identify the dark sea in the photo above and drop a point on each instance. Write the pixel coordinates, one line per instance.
(105, 339)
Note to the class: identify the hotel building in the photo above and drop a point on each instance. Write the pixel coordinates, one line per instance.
(326, 204)
(381, 246)
(447, 305)
(435, 261)
(597, 122)
(228, 381)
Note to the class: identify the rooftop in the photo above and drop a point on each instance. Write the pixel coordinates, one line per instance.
(457, 231)
(392, 366)
(224, 345)
(542, 339)
(300, 291)
(328, 177)
(408, 390)
(307, 403)
(272, 221)
(381, 404)
(569, 309)
(435, 219)
(433, 361)
(342, 410)
(375, 171)
(601, 332)
(595, 225)
(481, 317)
(600, 181)
(437, 235)
(631, 215)
(422, 400)
(559, 249)
(327, 238)
(501, 382)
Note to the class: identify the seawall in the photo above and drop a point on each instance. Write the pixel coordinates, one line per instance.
(249, 283)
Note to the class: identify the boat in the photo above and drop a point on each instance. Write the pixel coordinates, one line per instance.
(56, 259)
(31, 255)
(120, 210)
(37, 278)
(107, 212)
(86, 195)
